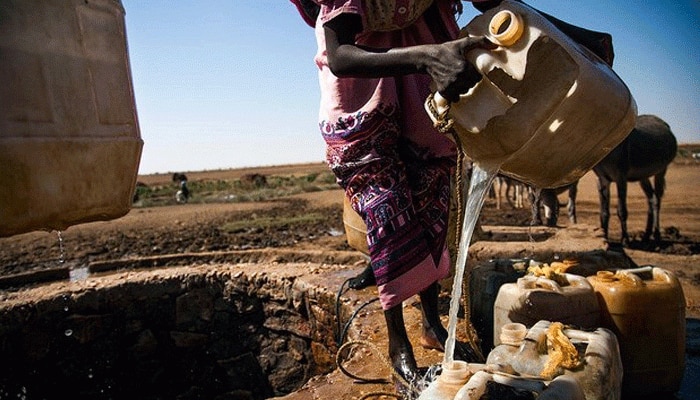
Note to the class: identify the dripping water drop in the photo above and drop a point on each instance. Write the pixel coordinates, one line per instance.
(62, 256)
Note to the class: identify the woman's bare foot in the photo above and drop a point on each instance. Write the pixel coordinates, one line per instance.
(429, 340)
(400, 351)
(435, 339)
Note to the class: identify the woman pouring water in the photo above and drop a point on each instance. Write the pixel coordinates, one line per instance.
(377, 60)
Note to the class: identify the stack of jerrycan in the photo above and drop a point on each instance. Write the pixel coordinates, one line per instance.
(486, 279)
(645, 308)
(540, 90)
(565, 298)
(69, 138)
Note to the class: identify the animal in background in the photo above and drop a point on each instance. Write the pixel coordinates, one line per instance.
(644, 154)
(547, 200)
(512, 190)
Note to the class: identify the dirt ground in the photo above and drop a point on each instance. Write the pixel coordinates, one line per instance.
(193, 228)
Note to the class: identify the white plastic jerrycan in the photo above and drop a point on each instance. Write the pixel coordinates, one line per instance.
(531, 299)
(598, 368)
(446, 385)
(70, 144)
(560, 388)
(547, 109)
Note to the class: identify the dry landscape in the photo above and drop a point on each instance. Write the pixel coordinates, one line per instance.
(298, 207)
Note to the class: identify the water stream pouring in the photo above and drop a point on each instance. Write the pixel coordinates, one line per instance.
(482, 177)
(70, 144)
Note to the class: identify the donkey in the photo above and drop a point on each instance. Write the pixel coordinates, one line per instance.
(646, 152)
(547, 199)
(510, 189)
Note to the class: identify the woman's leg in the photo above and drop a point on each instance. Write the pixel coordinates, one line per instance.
(400, 350)
(434, 334)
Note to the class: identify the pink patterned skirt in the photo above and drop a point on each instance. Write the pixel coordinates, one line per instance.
(403, 195)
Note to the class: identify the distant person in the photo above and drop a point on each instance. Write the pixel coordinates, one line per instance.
(183, 194)
(376, 63)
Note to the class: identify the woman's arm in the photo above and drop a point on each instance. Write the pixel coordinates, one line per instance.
(444, 62)
(347, 59)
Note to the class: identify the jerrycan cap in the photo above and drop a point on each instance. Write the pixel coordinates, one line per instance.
(513, 333)
(606, 276)
(456, 372)
(506, 27)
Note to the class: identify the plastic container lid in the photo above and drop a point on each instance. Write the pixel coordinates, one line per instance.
(455, 373)
(513, 333)
(506, 27)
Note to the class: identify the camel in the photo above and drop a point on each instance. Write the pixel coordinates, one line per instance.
(645, 153)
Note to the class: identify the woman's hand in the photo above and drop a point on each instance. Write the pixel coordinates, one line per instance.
(452, 73)
(445, 63)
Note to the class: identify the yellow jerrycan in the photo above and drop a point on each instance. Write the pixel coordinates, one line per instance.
(547, 109)
(645, 308)
(70, 144)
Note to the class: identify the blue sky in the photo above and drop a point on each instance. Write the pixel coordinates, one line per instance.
(232, 83)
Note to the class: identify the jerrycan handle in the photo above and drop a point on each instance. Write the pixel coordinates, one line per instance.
(505, 29)
(661, 274)
(532, 282)
(439, 108)
(632, 275)
(640, 270)
(578, 281)
(475, 388)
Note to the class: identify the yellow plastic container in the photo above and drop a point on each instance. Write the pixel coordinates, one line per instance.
(70, 144)
(645, 308)
(355, 228)
(540, 91)
(532, 299)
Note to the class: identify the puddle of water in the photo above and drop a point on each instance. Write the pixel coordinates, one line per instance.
(78, 274)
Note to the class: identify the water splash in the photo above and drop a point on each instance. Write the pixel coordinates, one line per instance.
(481, 179)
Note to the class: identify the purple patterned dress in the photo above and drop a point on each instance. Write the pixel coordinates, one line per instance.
(393, 164)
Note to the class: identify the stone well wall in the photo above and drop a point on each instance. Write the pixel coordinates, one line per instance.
(208, 332)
